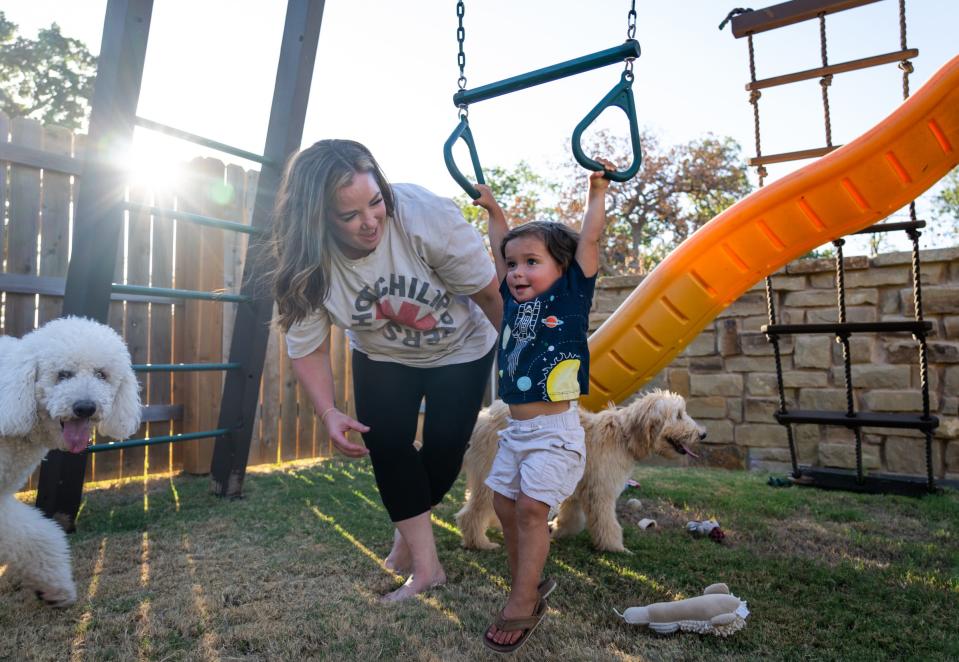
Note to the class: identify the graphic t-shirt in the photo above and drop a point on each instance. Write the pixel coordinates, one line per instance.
(408, 301)
(542, 351)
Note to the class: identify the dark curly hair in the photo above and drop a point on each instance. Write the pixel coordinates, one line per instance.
(560, 240)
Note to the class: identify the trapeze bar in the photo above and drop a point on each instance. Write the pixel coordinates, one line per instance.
(627, 50)
(199, 219)
(178, 294)
(200, 140)
(134, 443)
(184, 367)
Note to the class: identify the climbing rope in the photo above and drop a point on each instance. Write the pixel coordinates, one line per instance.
(754, 96)
(843, 338)
(826, 80)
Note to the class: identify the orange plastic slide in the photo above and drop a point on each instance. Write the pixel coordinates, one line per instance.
(848, 190)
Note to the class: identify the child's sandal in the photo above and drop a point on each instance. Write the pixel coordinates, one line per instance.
(527, 625)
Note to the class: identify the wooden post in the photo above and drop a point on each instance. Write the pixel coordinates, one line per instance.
(301, 33)
(99, 213)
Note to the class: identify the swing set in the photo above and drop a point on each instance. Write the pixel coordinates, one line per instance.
(621, 96)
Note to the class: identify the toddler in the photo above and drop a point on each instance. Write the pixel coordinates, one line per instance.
(547, 273)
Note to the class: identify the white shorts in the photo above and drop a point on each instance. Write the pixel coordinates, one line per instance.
(543, 457)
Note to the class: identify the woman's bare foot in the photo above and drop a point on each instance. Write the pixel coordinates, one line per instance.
(399, 559)
(398, 566)
(414, 587)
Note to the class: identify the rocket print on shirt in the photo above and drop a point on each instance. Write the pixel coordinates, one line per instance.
(524, 330)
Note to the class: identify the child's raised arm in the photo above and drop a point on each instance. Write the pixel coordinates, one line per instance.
(594, 221)
(497, 227)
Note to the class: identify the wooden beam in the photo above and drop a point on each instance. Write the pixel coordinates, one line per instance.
(156, 413)
(284, 134)
(852, 65)
(792, 156)
(787, 13)
(98, 215)
(38, 158)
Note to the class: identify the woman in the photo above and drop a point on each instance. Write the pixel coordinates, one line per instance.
(413, 285)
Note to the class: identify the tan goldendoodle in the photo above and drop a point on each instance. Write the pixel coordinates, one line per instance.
(616, 439)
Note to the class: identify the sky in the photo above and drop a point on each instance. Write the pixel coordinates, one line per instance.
(386, 71)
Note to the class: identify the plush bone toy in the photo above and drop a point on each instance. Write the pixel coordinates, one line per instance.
(716, 612)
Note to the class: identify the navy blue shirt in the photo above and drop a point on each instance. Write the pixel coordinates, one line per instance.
(542, 351)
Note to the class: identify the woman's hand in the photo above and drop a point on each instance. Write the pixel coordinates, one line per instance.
(337, 425)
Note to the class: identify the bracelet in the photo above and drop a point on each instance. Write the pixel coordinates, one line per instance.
(323, 415)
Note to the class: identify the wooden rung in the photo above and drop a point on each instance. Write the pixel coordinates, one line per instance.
(852, 65)
(787, 13)
(792, 156)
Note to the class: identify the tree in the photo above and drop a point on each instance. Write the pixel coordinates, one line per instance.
(520, 192)
(49, 78)
(946, 208)
(676, 191)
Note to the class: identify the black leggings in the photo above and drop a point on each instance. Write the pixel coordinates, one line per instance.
(388, 399)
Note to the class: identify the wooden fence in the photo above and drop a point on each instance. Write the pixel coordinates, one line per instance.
(39, 166)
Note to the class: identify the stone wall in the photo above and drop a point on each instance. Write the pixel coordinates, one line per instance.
(728, 373)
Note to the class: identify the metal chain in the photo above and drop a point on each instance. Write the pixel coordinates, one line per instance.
(630, 34)
(826, 80)
(461, 57)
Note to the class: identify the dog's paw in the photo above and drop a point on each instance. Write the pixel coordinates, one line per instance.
(486, 544)
(618, 549)
(57, 597)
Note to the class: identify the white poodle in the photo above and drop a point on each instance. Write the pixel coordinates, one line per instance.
(56, 384)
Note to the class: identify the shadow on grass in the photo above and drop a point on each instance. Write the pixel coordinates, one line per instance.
(294, 569)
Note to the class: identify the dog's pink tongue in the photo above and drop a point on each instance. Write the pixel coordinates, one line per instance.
(76, 432)
(690, 453)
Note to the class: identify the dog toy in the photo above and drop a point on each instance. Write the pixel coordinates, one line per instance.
(647, 523)
(715, 612)
(709, 527)
(635, 505)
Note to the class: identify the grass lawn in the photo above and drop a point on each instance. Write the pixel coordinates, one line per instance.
(166, 571)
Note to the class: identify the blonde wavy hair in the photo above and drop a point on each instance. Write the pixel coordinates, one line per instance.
(305, 204)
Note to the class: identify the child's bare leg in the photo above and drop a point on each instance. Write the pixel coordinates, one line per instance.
(506, 511)
(532, 548)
